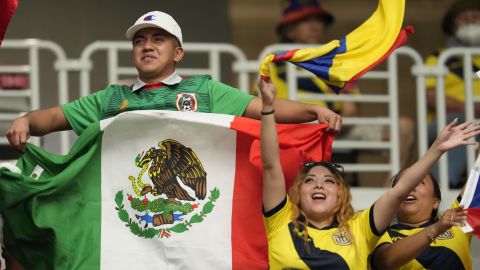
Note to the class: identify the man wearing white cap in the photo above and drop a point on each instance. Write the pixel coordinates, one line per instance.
(157, 48)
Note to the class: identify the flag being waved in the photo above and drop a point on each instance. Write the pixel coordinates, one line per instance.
(341, 61)
(471, 200)
(7, 8)
(150, 190)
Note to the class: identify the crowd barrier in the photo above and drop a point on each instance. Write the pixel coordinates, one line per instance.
(16, 101)
(243, 71)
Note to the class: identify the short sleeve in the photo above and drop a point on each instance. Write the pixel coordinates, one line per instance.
(363, 224)
(84, 111)
(228, 100)
(278, 216)
(385, 239)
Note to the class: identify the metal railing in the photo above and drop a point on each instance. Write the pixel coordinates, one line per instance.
(243, 69)
(440, 71)
(32, 48)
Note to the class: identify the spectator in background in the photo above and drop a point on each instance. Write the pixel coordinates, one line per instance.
(305, 22)
(461, 24)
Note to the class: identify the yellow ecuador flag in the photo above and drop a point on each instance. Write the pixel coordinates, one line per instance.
(345, 60)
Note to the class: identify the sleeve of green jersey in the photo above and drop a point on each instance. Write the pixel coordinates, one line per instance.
(225, 99)
(84, 111)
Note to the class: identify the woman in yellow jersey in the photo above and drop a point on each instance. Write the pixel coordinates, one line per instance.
(314, 226)
(420, 240)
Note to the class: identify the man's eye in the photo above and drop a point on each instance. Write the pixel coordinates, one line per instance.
(308, 180)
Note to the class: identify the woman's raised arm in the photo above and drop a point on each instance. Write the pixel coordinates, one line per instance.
(274, 190)
(450, 137)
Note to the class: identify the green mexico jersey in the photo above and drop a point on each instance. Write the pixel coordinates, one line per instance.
(197, 94)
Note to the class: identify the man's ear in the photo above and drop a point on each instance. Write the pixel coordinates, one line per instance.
(179, 52)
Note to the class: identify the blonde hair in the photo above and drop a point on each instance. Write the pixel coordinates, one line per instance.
(342, 213)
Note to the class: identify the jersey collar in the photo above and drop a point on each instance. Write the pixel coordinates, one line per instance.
(174, 78)
(400, 226)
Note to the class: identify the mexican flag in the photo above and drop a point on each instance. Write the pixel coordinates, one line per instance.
(149, 190)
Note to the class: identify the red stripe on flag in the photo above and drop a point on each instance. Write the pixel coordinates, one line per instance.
(7, 8)
(285, 57)
(249, 241)
(473, 219)
(298, 143)
(400, 41)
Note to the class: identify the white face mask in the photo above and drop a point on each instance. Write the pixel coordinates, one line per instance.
(469, 34)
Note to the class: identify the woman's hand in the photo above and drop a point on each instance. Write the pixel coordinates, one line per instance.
(268, 91)
(455, 135)
(452, 217)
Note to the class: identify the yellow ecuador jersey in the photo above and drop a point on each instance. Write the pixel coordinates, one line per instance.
(327, 248)
(454, 82)
(451, 249)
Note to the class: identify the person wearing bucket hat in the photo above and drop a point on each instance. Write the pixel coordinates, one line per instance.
(461, 24)
(157, 42)
(305, 22)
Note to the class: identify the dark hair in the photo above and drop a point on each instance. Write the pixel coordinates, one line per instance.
(455, 9)
(283, 29)
(334, 168)
(437, 193)
(295, 11)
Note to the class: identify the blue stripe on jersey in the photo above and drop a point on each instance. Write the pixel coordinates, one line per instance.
(314, 257)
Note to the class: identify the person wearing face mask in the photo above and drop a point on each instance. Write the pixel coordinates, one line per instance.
(461, 24)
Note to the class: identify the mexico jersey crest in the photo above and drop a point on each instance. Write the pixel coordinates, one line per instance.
(187, 102)
(169, 193)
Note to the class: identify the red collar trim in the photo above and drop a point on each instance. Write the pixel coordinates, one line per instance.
(152, 86)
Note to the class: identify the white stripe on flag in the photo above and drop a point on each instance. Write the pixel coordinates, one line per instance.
(469, 191)
(222, 120)
(206, 243)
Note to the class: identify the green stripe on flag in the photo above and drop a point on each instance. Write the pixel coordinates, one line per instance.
(39, 229)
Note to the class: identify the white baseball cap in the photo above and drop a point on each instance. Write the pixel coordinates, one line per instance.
(156, 19)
